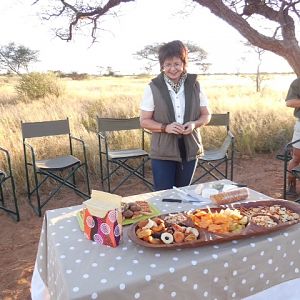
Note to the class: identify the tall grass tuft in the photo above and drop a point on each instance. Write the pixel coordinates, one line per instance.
(36, 85)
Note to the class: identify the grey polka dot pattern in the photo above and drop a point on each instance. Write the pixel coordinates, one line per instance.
(73, 267)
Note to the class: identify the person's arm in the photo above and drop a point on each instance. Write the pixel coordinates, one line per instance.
(294, 103)
(293, 97)
(147, 122)
(204, 119)
(146, 116)
(147, 110)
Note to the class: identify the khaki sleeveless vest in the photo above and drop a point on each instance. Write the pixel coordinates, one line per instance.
(164, 145)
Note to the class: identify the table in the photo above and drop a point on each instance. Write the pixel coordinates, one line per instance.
(68, 266)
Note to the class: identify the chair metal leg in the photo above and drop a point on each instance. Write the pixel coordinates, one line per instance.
(231, 160)
(39, 208)
(73, 178)
(27, 174)
(108, 175)
(226, 166)
(231, 169)
(15, 198)
(87, 179)
(63, 182)
(209, 169)
(1, 195)
(12, 212)
(137, 171)
(285, 171)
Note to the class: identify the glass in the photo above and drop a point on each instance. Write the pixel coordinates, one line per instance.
(175, 65)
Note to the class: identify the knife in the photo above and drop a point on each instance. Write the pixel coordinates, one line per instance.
(179, 200)
(239, 184)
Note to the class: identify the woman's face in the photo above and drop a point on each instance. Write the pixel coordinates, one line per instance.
(173, 68)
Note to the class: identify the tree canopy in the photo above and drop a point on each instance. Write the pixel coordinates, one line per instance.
(15, 58)
(267, 24)
(197, 55)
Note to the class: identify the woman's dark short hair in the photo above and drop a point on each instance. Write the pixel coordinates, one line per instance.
(173, 49)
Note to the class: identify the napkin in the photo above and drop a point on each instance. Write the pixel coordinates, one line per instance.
(102, 218)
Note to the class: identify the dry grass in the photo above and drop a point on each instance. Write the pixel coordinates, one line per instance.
(260, 121)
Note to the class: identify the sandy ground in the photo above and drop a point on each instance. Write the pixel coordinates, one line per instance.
(19, 241)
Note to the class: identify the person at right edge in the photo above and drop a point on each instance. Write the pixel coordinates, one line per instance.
(293, 100)
(173, 108)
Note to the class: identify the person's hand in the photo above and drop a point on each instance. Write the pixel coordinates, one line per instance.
(175, 128)
(188, 127)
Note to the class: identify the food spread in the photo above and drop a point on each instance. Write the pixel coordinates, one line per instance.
(224, 221)
(216, 224)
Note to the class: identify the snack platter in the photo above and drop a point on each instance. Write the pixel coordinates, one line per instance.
(201, 227)
(139, 210)
(136, 211)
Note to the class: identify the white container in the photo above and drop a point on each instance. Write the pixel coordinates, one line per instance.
(207, 192)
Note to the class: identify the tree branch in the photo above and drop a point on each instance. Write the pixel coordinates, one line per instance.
(78, 12)
(218, 8)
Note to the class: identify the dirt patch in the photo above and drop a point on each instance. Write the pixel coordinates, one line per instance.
(19, 241)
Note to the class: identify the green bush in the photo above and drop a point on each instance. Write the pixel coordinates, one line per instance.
(38, 85)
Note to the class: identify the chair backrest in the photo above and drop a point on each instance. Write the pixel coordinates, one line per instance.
(219, 120)
(113, 124)
(214, 133)
(46, 128)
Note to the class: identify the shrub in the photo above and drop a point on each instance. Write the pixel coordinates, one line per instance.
(38, 85)
(78, 76)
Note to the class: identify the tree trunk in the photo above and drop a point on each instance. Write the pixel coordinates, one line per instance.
(287, 47)
(258, 79)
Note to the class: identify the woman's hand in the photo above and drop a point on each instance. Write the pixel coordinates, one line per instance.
(175, 128)
(188, 127)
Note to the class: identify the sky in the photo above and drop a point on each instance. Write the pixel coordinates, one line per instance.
(141, 23)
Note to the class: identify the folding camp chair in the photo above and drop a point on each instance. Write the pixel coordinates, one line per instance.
(61, 169)
(131, 160)
(11, 208)
(286, 157)
(213, 160)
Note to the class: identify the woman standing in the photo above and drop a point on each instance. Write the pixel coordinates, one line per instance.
(173, 107)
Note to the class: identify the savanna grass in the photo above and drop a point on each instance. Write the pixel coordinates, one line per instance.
(260, 121)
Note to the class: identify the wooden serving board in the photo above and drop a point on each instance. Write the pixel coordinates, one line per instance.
(208, 238)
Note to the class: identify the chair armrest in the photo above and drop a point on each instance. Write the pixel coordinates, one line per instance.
(77, 139)
(31, 150)
(287, 151)
(289, 145)
(103, 143)
(5, 151)
(29, 146)
(7, 159)
(101, 135)
(230, 134)
(147, 131)
(83, 146)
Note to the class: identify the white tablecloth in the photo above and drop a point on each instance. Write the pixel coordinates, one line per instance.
(68, 266)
